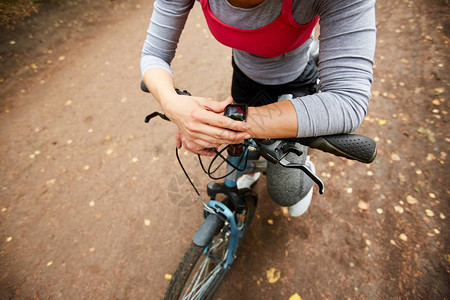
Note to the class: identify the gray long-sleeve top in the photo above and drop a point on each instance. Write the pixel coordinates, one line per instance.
(347, 46)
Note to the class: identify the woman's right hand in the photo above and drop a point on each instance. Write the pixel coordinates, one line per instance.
(201, 123)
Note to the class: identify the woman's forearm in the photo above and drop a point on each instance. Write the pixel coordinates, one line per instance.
(276, 120)
(160, 84)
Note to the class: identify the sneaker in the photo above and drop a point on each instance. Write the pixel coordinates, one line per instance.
(246, 181)
(301, 206)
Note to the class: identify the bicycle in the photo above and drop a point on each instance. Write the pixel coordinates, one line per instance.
(214, 245)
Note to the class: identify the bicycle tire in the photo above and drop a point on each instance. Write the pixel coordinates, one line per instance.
(195, 258)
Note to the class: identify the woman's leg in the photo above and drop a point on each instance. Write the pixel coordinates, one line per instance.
(285, 186)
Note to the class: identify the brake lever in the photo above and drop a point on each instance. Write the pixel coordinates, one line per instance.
(285, 163)
(156, 114)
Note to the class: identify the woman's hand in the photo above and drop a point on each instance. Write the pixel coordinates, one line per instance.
(202, 125)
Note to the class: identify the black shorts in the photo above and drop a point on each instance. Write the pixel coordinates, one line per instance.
(248, 91)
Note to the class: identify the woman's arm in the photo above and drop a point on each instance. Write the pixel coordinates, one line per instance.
(347, 46)
(200, 121)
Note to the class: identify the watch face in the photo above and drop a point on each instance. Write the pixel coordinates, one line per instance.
(236, 111)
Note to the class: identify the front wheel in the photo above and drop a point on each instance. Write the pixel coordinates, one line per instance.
(201, 271)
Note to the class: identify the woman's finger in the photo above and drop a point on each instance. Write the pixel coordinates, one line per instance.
(178, 139)
(217, 107)
(218, 120)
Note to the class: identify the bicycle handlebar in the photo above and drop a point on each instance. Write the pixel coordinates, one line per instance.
(350, 146)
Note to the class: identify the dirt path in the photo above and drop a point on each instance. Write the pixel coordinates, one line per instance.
(87, 189)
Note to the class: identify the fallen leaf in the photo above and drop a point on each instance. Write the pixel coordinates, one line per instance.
(395, 157)
(411, 200)
(167, 276)
(382, 122)
(273, 275)
(403, 237)
(9, 239)
(147, 222)
(439, 91)
(430, 157)
(363, 205)
(429, 212)
(270, 221)
(295, 297)
(399, 209)
(379, 211)
(428, 133)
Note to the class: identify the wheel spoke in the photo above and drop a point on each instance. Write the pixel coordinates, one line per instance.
(203, 277)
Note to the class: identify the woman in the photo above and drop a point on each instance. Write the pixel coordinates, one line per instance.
(270, 41)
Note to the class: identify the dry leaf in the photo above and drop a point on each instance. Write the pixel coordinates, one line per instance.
(363, 205)
(395, 157)
(411, 200)
(429, 212)
(403, 237)
(295, 297)
(273, 275)
(399, 209)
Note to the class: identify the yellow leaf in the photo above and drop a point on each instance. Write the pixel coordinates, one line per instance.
(168, 276)
(295, 297)
(382, 122)
(363, 205)
(273, 275)
(436, 102)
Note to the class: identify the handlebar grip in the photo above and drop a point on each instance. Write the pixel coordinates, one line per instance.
(144, 87)
(351, 146)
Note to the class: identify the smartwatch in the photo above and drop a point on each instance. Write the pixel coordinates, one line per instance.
(236, 111)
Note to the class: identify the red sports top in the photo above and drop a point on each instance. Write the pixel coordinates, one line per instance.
(274, 39)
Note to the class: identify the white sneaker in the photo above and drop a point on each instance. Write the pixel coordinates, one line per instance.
(301, 206)
(246, 181)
